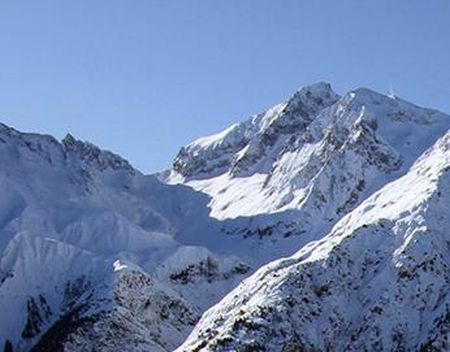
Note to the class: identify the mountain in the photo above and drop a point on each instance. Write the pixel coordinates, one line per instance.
(286, 176)
(379, 281)
(95, 255)
(70, 212)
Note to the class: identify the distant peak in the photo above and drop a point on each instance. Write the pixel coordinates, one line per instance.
(69, 139)
(94, 155)
(366, 96)
(309, 100)
(316, 89)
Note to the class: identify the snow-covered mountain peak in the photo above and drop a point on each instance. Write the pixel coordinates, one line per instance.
(318, 89)
(69, 211)
(255, 145)
(310, 100)
(94, 156)
(238, 150)
(378, 281)
(34, 147)
(33, 142)
(397, 108)
(336, 179)
(320, 159)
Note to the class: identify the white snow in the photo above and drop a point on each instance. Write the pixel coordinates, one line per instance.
(378, 281)
(84, 235)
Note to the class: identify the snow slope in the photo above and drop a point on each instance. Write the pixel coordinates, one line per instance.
(288, 175)
(379, 281)
(96, 255)
(68, 212)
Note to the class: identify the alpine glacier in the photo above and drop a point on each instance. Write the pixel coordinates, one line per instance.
(352, 189)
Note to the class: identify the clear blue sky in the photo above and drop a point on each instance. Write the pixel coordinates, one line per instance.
(144, 77)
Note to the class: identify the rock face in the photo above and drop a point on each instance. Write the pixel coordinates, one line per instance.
(94, 255)
(379, 281)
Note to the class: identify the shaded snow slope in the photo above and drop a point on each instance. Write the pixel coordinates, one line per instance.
(379, 281)
(68, 211)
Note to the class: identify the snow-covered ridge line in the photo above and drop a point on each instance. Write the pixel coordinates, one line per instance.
(69, 211)
(215, 154)
(50, 148)
(284, 158)
(223, 152)
(93, 154)
(138, 260)
(302, 171)
(378, 281)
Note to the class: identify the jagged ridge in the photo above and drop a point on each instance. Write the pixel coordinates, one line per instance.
(379, 281)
